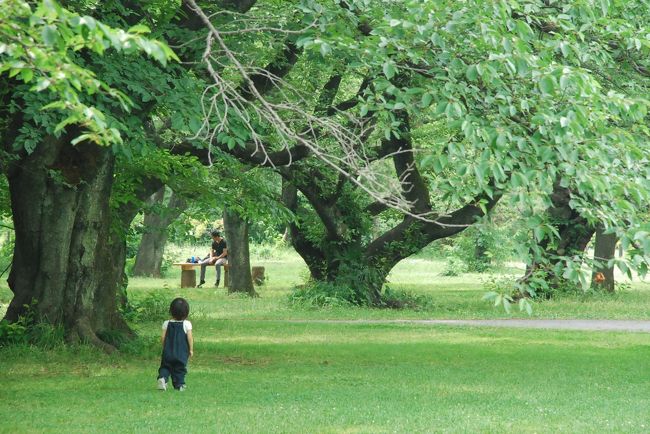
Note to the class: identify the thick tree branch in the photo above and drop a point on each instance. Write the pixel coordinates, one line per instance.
(352, 102)
(327, 95)
(191, 21)
(312, 254)
(414, 189)
(376, 208)
(266, 80)
(328, 214)
(248, 154)
(412, 235)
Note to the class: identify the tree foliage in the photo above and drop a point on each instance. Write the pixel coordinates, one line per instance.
(38, 46)
(516, 94)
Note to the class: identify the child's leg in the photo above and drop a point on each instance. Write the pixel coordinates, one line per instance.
(164, 371)
(178, 374)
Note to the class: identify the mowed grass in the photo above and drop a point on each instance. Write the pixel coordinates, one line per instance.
(273, 376)
(256, 371)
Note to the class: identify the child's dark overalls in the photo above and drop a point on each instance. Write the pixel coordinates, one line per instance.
(175, 353)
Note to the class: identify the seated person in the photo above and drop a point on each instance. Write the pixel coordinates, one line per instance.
(218, 257)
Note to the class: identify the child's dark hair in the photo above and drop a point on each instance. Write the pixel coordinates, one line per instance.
(179, 309)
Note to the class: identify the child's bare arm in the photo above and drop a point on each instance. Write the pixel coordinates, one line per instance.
(190, 342)
(162, 337)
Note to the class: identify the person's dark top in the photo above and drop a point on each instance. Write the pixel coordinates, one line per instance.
(218, 247)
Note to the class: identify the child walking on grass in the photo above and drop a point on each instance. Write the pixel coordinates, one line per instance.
(178, 346)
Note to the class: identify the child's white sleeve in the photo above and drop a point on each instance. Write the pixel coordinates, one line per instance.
(187, 326)
(164, 326)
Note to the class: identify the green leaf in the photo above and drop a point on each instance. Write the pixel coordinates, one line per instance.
(26, 75)
(389, 70)
(565, 49)
(81, 138)
(471, 73)
(50, 35)
(604, 6)
(363, 110)
(426, 100)
(547, 84)
(139, 29)
(489, 296)
(325, 49)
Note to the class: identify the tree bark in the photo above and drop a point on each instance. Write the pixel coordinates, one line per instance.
(149, 259)
(62, 264)
(240, 279)
(604, 250)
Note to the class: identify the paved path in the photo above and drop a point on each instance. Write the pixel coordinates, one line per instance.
(556, 324)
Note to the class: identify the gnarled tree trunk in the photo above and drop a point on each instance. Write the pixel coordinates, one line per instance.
(152, 246)
(62, 263)
(239, 279)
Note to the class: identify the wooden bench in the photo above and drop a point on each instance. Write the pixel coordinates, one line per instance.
(188, 274)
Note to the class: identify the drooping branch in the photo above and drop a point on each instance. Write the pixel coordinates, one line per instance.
(292, 124)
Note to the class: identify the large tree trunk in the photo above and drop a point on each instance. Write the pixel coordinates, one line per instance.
(62, 265)
(239, 279)
(604, 250)
(149, 259)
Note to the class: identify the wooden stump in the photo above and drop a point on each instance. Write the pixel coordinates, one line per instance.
(188, 278)
(258, 275)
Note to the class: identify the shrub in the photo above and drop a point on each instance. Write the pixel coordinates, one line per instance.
(406, 300)
(152, 306)
(330, 295)
(321, 294)
(28, 331)
(454, 267)
(505, 291)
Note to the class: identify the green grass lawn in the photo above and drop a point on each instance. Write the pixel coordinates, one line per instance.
(254, 372)
(252, 376)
